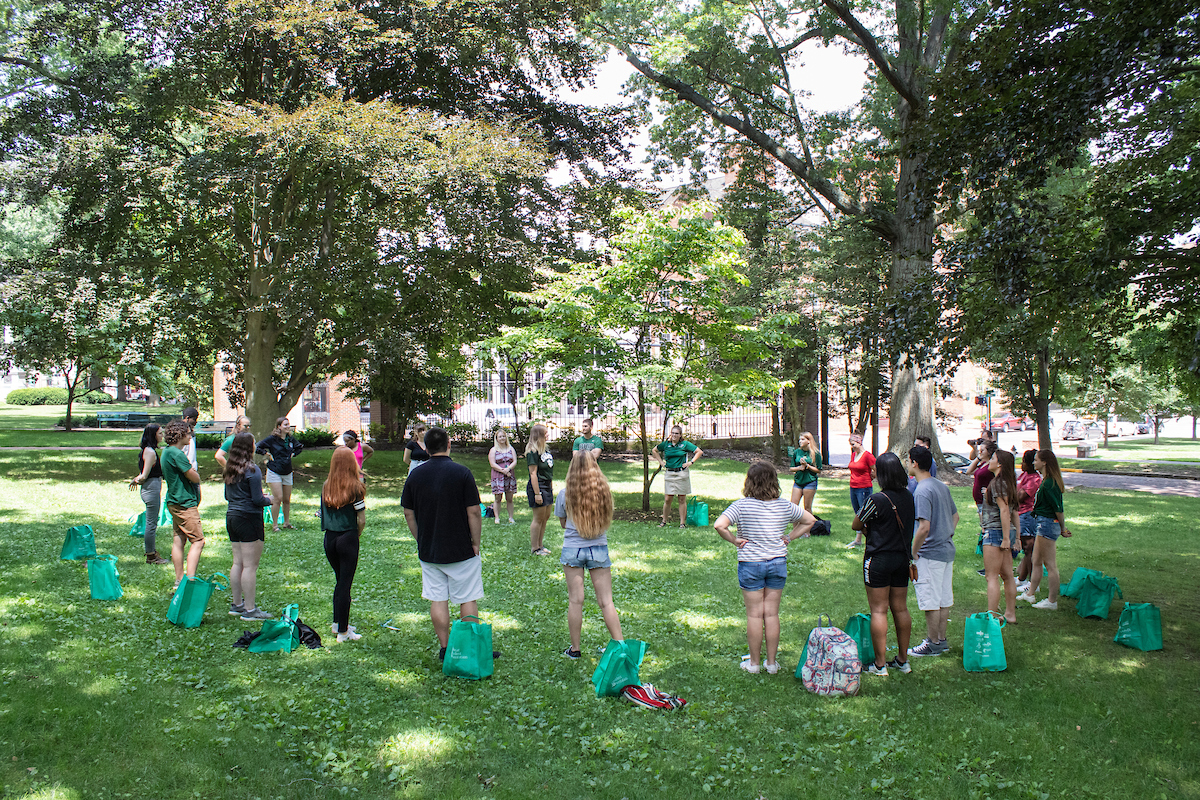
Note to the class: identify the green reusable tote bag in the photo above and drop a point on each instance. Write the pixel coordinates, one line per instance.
(1096, 596)
(1140, 627)
(983, 643)
(138, 528)
(858, 628)
(1077, 578)
(80, 543)
(103, 578)
(619, 667)
(697, 513)
(469, 650)
(278, 634)
(191, 599)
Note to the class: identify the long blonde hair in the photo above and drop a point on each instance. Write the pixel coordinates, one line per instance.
(815, 447)
(537, 440)
(589, 498)
(496, 440)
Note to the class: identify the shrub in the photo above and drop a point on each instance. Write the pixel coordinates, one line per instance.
(53, 396)
(315, 437)
(614, 435)
(209, 441)
(379, 432)
(80, 421)
(463, 433)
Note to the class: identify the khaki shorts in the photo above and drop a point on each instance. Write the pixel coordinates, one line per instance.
(186, 522)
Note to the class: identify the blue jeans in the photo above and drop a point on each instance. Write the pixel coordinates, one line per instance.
(859, 496)
(152, 497)
(1046, 528)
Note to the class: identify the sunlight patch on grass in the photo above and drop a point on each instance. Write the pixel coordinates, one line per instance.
(704, 622)
(420, 745)
(499, 622)
(55, 792)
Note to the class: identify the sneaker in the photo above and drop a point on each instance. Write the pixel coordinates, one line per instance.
(442, 654)
(1027, 597)
(897, 664)
(349, 636)
(572, 654)
(874, 670)
(236, 610)
(751, 668)
(155, 558)
(256, 615)
(1022, 587)
(854, 544)
(981, 573)
(943, 646)
(771, 669)
(1046, 605)
(925, 648)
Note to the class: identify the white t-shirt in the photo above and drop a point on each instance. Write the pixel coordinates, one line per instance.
(191, 453)
(763, 524)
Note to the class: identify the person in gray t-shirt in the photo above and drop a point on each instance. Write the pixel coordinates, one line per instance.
(933, 552)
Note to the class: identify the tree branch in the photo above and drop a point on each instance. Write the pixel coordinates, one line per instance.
(35, 67)
(874, 52)
(823, 186)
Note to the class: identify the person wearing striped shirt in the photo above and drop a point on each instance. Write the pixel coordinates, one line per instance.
(765, 524)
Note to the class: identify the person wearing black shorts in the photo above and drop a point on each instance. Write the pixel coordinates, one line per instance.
(888, 517)
(244, 521)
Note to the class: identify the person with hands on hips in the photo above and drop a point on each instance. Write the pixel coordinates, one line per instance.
(677, 456)
(762, 518)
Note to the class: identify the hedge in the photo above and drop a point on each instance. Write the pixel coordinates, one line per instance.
(53, 396)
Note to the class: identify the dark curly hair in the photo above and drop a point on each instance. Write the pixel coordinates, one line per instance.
(175, 431)
(762, 481)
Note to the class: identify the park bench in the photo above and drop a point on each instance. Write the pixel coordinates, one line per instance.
(218, 426)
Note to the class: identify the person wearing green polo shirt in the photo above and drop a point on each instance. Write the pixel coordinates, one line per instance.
(183, 499)
(677, 456)
(242, 425)
(587, 441)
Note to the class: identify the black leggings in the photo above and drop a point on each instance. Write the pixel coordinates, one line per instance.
(341, 548)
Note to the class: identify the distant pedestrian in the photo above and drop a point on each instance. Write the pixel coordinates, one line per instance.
(503, 460)
(415, 453)
(343, 513)
(862, 479)
(240, 425)
(888, 518)
(361, 450)
(540, 488)
(677, 456)
(1027, 486)
(766, 524)
(149, 477)
(280, 448)
(183, 499)
(806, 466)
(933, 552)
(585, 509)
(442, 510)
(1048, 523)
(586, 441)
(244, 523)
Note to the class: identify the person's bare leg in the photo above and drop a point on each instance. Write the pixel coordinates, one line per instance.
(1010, 585)
(797, 494)
(1051, 558)
(898, 600)
(439, 613)
(991, 568)
(943, 617)
(809, 494)
(754, 624)
(235, 575)
(193, 558)
(287, 505)
(602, 586)
(771, 598)
(468, 609)
(508, 497)
(877, 600)
(177, 542)
(276, 501)
(574, 604)
(251, 555)
(500, 496)
(537, 528)
(1039, 559)
(666, 507)
(682, 501)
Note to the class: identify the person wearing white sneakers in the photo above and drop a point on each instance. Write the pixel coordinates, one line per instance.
(932, 552)
(1048, 524)
(762, 518)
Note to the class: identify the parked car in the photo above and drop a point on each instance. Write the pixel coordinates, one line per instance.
(1074, 429)
(1008, 422)
(1143, 427)
(957, 462)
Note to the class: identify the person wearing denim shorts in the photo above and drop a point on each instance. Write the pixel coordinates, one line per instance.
(762, 519)
(584, 508)
(1048, 524)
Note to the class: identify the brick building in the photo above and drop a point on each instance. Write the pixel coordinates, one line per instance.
(322, 405)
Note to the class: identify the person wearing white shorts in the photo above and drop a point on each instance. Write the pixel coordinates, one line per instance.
(442, 509)
(932, 552)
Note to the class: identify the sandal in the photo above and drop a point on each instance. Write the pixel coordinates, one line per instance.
(682, 527)
(662, 524)
(541, 551)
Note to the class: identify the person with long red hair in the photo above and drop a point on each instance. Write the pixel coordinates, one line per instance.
(343, 517)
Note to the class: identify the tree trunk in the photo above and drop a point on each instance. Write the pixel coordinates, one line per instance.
(258, 373)
(1042, 401)
(776, 434)
(641, 403)
(791, 397)
(824, 406)
(122, 387)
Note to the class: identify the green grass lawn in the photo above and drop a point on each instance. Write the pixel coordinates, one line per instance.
(1133, 467)
(33, 417)
(77, 438)
(1174, 449)
(108, 700)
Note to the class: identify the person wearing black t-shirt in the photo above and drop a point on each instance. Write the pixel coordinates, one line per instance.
(415, 452)
(343, 516)
(280, 448)
(441, 507)
(888, 517)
